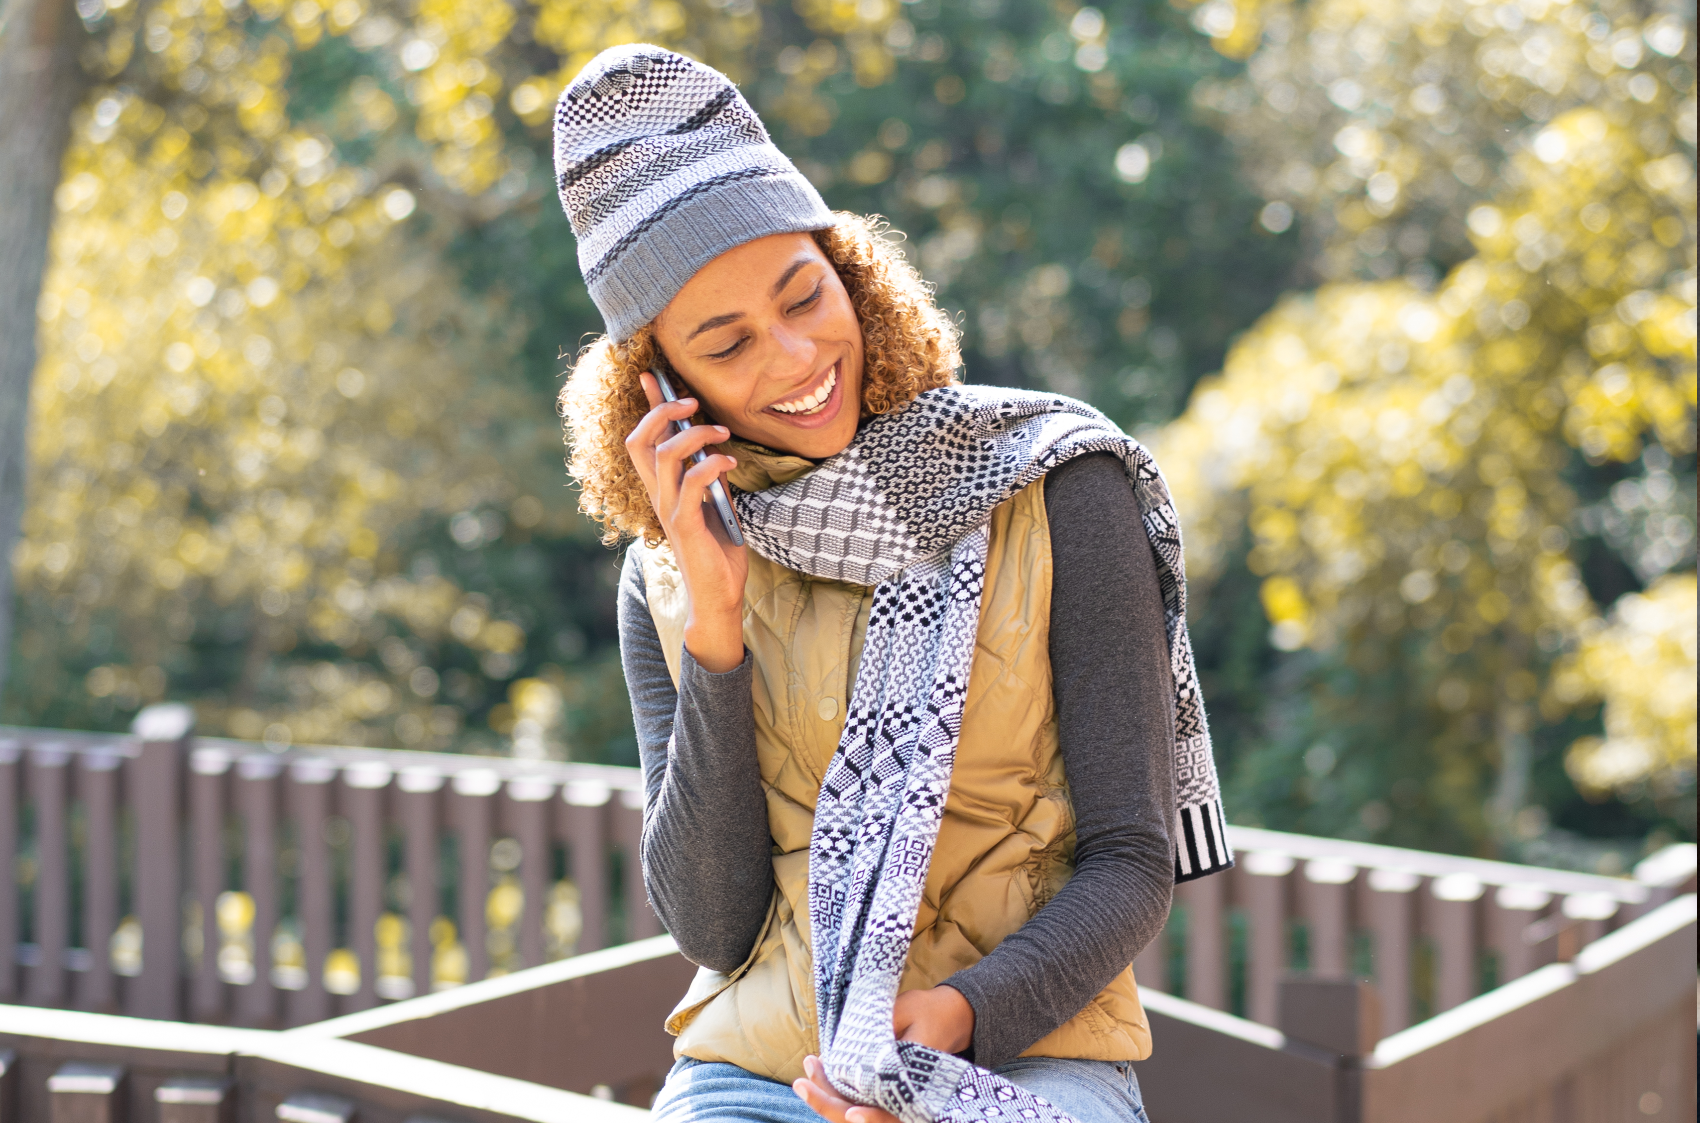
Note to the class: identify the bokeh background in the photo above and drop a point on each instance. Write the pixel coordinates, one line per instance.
(1401, 292)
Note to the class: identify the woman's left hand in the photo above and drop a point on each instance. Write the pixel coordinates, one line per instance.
(817, 1091)
(940, 1018)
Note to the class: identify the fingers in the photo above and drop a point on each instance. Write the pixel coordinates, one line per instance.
(817, 1079)
(817, 1091)
(650, 389)
(693, 485)
(653, 432)
(869, 1115)
(656, 426)
(817, 1100)
(679, 484)
(683, 445)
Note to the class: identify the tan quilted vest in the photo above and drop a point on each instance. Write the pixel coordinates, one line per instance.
(1006, 844)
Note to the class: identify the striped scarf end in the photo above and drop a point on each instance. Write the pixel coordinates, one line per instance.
(1201, 841)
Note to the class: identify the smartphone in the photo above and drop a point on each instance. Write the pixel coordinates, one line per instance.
(717, 492)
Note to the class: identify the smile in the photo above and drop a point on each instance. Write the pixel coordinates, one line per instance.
(813, 402)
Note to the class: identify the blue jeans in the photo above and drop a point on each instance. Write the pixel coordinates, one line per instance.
(704, 1092)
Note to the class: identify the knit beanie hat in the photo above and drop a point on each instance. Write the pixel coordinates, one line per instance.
(662, 167)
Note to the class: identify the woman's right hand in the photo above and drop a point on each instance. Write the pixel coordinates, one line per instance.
(714, 570)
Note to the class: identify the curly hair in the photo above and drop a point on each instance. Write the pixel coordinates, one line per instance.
(909, 345)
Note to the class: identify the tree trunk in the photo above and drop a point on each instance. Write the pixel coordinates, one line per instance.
(41, 82)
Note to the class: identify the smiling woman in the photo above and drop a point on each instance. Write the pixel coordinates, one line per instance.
(911, 755)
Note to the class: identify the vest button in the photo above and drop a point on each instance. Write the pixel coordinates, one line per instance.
(828, 709)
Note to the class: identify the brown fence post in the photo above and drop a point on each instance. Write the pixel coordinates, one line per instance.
(1206, 947)
(641, 921)
(10, 751)
(10, 1078)
(1151, 965)
(309, 797)
(155, 786)
(363, 798)
(1266, 951)
(584, 823)
(472, 807)
(416, 795)
(207, 770)
(1391, 919)
(1513, 909)
(196, 1099)
(52, 874)
(1327, 889)
(528, 810)
(1338, 1016)
(257, 798)
(1590, 912)
(1452, 910)
(97, 785)
(81, 1092)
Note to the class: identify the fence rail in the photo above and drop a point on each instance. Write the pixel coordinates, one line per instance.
(165, 875)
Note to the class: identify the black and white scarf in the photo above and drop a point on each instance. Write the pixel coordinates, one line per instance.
(906, 509)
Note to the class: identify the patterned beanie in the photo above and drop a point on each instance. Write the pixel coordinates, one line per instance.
(662, 167)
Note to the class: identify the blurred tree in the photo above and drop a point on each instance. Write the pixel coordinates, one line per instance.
(1411, 464)
(40, 83)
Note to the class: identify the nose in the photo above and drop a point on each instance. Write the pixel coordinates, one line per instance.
(794, 353)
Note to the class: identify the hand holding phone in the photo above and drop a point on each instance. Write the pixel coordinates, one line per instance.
(681, 472)
(716, 491)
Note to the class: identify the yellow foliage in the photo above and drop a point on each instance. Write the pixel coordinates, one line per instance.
(1397, 454)
(1380, 121)
(218, 378)
(1642, 664)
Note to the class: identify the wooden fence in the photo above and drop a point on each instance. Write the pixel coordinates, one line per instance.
(164, 875)
(168, 876)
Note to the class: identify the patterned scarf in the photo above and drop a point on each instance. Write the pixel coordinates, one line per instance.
(906, 509)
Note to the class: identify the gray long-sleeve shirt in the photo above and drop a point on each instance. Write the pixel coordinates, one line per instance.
(706, 846)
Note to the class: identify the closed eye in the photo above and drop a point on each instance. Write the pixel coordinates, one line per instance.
(808, 301)
(729, 352)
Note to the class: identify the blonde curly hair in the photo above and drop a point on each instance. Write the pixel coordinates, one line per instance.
(909, 346)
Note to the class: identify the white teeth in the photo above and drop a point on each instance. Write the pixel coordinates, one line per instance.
(814, 400)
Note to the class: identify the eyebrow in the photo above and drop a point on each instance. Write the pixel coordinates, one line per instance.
(778, 287)
(790, 271)
(716, 322)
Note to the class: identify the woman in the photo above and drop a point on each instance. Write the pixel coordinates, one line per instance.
(911, 757)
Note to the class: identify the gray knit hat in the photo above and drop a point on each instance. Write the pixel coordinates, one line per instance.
(663, 166)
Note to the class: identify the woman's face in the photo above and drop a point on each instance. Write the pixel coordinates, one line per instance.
(766, 339)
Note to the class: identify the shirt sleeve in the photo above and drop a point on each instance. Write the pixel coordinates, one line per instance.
(706, 849)
(1115, 723)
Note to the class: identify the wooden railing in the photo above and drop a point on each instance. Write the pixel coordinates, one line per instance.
(165, 875)
(1431, 930)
